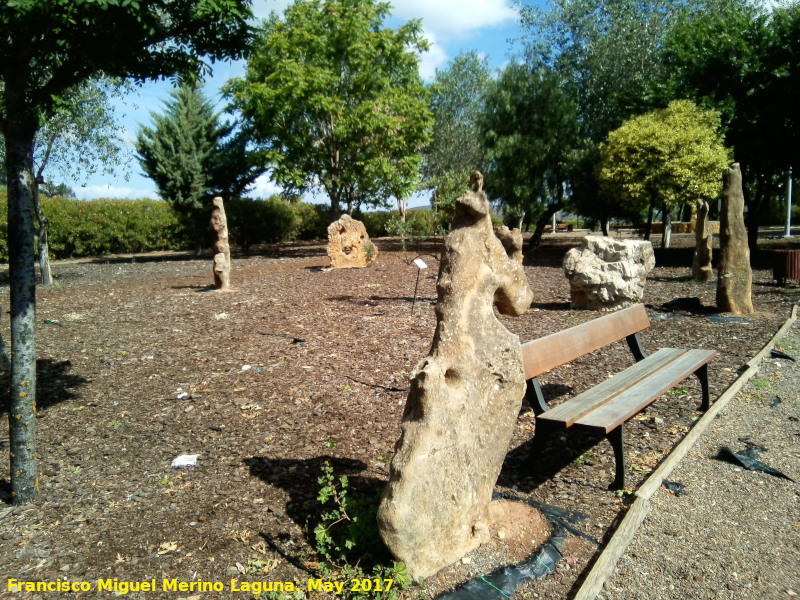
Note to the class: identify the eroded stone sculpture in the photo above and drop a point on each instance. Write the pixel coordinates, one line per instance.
(734, 276)
(349, 245)
(701, 266)
(605, 273)
(464, 398)
(222, 250)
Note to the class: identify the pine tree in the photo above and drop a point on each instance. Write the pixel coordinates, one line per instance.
(183, 151)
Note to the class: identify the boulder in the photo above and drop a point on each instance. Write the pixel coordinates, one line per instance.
(222, 250)
(734, 275)
(464, 399)
(606, 274)
(349, 245)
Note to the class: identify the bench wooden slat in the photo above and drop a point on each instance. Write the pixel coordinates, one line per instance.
(575, 408)
(559, 348)
(612, 414)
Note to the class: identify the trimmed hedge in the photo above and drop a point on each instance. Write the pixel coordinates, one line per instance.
(99, 227)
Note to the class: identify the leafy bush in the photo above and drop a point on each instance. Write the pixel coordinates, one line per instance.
(98, 227)
(312, 221)
(260, 221)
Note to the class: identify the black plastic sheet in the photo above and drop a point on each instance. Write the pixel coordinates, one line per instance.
(749, 460)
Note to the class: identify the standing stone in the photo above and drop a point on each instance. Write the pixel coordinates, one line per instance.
(349, 245)
(464, 399)
(701, 267)
(222, 251)
(734, 277)
(606, 274)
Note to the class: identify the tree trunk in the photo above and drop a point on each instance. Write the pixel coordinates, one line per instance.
(22, 284)
(649, 224)
(46, 274)
(543, 220)
(666, 226)
(604, 225)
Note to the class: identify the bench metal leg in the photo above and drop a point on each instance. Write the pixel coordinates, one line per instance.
(702, 375)
(535, 397)
(544, 430)
(615, 437)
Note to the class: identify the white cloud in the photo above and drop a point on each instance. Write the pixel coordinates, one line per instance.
(264, 187)
(435, 57)
(92, 192)
(455, 18)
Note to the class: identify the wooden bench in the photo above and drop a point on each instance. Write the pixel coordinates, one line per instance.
(606, 407)
(559, 227)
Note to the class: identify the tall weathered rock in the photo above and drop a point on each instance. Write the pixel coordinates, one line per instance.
(734, 276)
(349, 245)
(605, 273)
(703, 242)
(464, 399)
(222, 251)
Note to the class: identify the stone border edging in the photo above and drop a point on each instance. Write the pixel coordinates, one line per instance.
(633, 519)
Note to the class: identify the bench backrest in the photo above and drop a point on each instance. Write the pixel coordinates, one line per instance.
(559, 348)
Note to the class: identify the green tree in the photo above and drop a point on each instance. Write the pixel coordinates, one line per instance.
(335, 101)
(48, 48)
(80, 138)
(456, 147)
(609, 54)
(740, 58)
(669, 157)
(530, 128)
(186, 155)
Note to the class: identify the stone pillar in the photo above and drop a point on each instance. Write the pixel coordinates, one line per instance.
(464, 399)
(734, 276)
(222, 251)
(703, 242)
(349, 245)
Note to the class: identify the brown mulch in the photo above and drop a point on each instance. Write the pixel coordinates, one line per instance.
(140, 363)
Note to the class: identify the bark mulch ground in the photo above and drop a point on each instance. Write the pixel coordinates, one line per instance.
(139, 362)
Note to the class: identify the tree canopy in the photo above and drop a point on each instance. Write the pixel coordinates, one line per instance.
(672, 157)
(740, 58)
(47, 48)
(530, 129)
(335, 101)
(186, 154)
(456, 147)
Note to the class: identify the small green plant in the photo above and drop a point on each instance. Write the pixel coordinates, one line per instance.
(760, 384)
(582, 458)
(384, 458)
(164, 480)
(116, 424)
(330, 444)
(399, 227)
(369, 252)
(347, 538)
(122, 352)
(678, 391)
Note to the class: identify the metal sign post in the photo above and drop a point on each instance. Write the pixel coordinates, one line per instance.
(420, 264)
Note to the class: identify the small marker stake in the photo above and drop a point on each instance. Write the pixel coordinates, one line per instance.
(420, 264)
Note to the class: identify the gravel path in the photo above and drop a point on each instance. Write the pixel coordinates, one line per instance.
(730, 533)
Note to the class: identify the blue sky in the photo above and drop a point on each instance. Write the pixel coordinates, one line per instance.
(451, 26)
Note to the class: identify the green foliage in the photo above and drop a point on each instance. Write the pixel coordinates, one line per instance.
(261, 221)
(740, 58)
(335, 101)
(456, 148)
(312, 221)
(347, 538)
(673, 155)
(530, 127)
(184, 154)
(99, 227)
(609, 52)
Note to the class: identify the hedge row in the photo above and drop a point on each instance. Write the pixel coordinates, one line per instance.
(80, 228)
